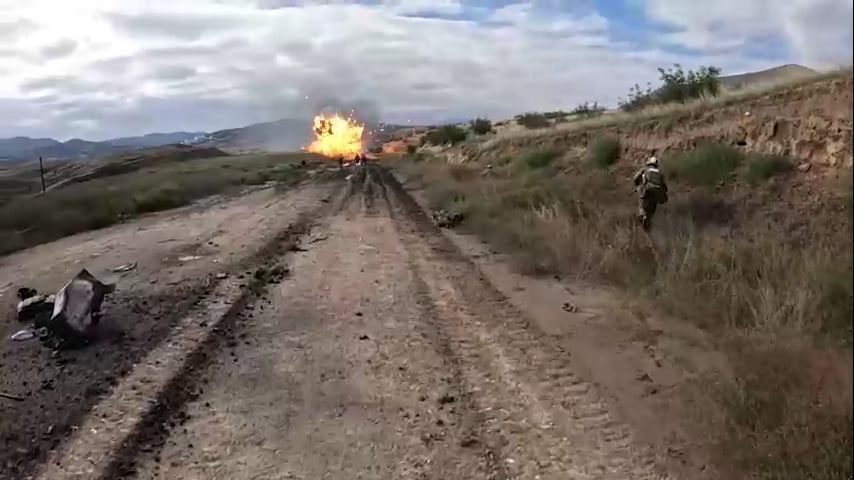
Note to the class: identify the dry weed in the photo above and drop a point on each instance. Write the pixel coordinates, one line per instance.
(719, 268)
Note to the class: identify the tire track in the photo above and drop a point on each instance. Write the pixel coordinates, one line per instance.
(551, 422)
(114, 453)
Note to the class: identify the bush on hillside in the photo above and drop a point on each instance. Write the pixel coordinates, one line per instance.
(587, 109)
(481, 126)
(410, 149)
(678, 86)
(533, 120)
(540, 158)
(604, 152)
(760, 168)
(444, 135)
(555, 115)
(707, 165)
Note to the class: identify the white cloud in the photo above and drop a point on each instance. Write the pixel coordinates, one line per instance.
(818, 31)
(134, 66)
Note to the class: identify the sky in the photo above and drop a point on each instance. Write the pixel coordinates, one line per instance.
(98, 69)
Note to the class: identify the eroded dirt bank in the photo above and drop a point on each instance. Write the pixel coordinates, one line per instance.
(811, 123)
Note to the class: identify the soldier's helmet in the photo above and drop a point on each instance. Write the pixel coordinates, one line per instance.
(652, 162)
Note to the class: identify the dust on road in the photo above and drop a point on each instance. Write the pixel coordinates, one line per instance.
(382, 353)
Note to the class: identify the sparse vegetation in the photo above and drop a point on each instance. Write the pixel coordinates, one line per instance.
(100, 202)
(759, 168)
(677, 86)
(481, 126)
(445, 135)
(533, 120)
(587, 110)
(604, 152)
(780, 311)
(555, 115)
(540, 158)
(410, 149)
(708, 165)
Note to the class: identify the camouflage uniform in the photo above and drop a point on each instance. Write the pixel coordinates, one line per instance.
(652, 190)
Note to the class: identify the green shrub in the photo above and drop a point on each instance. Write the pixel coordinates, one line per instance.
(707, 165)
(444, 135)
(760, 168)
(540, 158)
(410, 149)
(677, 86)
(533, 120)
(481, 126)
(604, 152)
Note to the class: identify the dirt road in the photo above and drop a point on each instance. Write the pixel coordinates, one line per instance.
(366, 346)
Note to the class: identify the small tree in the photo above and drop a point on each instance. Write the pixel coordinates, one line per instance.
(677, 86)
(588, 109)
(446, 134)
(481, 126)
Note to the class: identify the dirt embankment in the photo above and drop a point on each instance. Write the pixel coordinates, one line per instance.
(811, 123)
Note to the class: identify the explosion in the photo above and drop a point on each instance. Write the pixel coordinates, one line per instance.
(336, 136)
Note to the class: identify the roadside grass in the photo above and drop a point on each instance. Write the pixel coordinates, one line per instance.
(780, 306)
(100, 202)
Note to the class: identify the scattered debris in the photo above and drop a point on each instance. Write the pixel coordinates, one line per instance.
(188, 258)
(318, 239)
(125, 268)
(569, 307)
(363, 337)
(11, 397)
(358, 314)
(644, 377)
(446, 399)
(221, 275)
(23, 335)
(33, 307)
(297, 248)
(447, 220)
(277, 273)
(77, 310)
(804, 167)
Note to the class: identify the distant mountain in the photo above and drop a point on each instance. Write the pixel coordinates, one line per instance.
(24, 148)
(282, 135)
(783, 73)
(286, 134)
(12, 147)
(155, 139)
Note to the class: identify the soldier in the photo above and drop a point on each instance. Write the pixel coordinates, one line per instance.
(652, 190)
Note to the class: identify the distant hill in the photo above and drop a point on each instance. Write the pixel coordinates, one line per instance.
(25, 148)
(782, 73)
(155, 139)
(282, 135)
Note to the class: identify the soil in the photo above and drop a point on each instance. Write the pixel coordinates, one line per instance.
(362, 342)
(59, 388)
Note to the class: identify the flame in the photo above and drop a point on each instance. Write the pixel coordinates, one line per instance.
(336, 136)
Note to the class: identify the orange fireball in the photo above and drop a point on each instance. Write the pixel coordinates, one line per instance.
(336, 136)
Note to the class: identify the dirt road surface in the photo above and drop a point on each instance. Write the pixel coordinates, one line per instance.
(361, 344)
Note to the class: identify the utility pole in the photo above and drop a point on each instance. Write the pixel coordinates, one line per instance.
(41, 171)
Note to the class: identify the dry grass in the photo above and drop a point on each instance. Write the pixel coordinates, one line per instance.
(772, 298)
(617, 118)
(100, 202)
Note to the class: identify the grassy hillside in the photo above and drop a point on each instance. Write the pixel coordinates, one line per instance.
(123, 187)
(754, 248)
